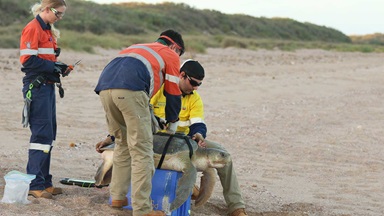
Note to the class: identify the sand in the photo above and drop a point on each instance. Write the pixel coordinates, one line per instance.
(304, 130)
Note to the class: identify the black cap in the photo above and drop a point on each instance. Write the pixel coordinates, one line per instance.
(193, 69)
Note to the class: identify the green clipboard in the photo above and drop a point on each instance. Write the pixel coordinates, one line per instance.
(80, 183)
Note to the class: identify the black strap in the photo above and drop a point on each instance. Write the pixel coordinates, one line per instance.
(61, 90)
(167, 145)
(164, 152)
(189, 146)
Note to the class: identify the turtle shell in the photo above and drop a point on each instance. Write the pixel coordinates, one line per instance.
(177, 144)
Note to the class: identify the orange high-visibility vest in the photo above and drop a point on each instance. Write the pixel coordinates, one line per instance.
(162, 63)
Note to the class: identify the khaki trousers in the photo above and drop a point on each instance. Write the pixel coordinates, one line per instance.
(128, 119)
(228, 179)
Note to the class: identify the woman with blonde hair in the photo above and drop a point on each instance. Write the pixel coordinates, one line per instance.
(38, 56)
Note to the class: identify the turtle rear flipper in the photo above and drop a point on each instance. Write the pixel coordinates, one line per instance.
(207, 184)
(184, 187)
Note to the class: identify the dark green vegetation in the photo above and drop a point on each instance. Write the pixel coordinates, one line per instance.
(87, 25)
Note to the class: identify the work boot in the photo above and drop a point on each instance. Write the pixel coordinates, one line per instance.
(119, 203)
(54, 190)
(155, 213)
(195, 192)
(238, 212)
(40, 194)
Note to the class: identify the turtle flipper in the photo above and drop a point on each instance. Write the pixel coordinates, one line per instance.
(184, 187)
(207, 184)
(104, 172)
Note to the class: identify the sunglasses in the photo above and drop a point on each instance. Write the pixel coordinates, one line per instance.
(193, 82)
(57, 13)
(180, 51)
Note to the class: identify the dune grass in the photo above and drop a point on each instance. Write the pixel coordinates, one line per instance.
(197, 43)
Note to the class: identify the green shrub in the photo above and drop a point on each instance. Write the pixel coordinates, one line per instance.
(233, 42)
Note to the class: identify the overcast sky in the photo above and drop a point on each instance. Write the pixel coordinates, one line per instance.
(348, 16)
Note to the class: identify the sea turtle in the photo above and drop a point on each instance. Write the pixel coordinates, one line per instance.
(177, 158)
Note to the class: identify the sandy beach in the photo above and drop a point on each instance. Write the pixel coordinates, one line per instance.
(304, 130)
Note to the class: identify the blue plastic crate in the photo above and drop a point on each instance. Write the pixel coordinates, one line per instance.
(164, 184)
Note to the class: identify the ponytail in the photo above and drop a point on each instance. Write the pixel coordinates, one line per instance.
(36, 9)
(55, 32)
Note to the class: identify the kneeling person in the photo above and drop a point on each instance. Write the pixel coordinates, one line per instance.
(191, 123)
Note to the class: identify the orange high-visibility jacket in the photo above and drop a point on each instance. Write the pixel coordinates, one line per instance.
(37, 48)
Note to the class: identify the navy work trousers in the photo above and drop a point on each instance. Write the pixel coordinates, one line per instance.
(43, 127)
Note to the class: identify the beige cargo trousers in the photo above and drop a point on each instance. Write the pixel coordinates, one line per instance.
(128, 118)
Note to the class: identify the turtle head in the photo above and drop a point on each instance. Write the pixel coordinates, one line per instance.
(211, 158)
(218, 158)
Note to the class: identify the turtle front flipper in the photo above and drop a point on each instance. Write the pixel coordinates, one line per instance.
(184, 186)
(104, 172)
(207, 184)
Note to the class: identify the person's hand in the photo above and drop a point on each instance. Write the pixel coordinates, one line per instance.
(200, 140)
(103, 143)
(171, 127)
(62, 69)
(161, 122)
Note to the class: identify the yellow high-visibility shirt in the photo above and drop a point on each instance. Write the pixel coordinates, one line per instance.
(192, 110)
